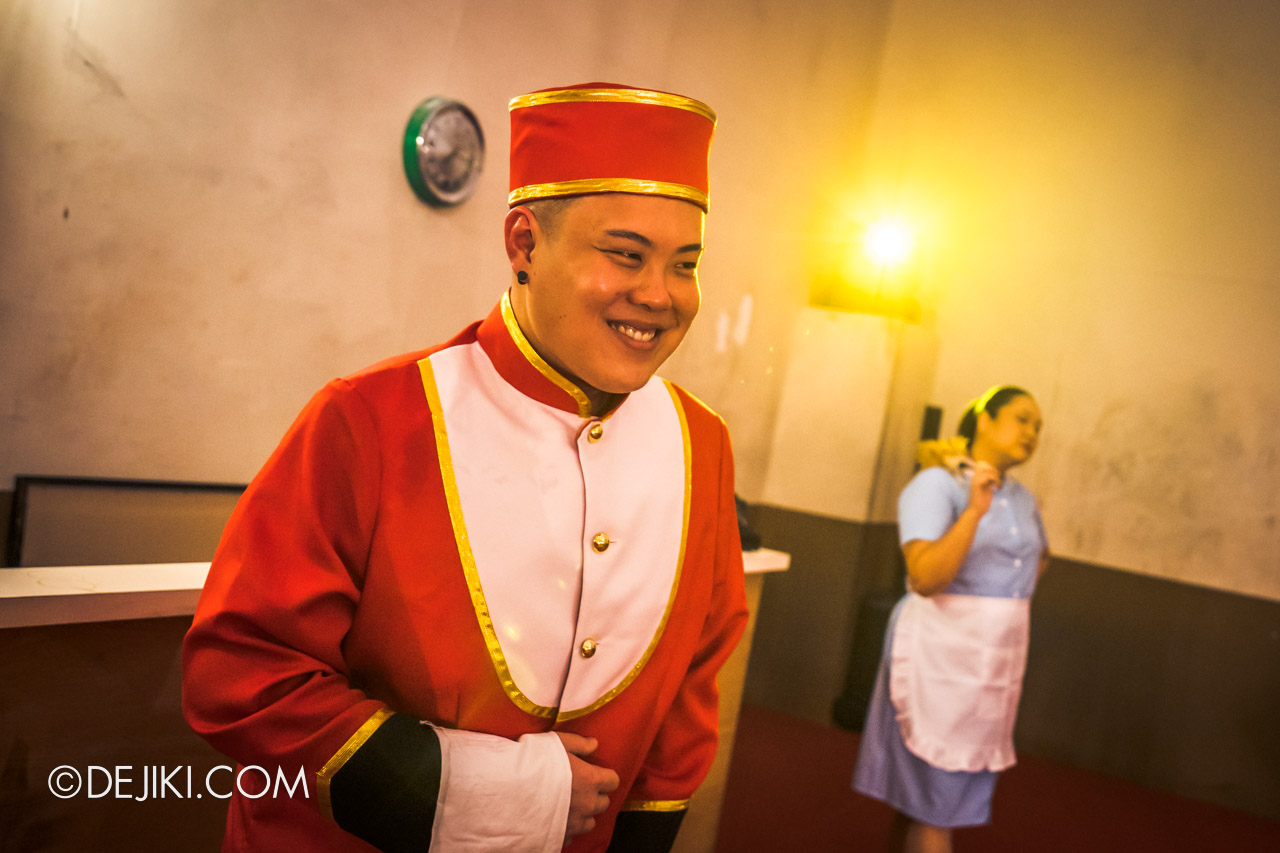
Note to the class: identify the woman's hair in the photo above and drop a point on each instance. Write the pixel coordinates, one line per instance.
(991, 403)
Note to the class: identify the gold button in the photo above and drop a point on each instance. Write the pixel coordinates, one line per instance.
(588, 647)
(600, 542)
(595, 433)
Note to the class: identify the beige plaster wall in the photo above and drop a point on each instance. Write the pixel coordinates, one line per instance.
(826, 439)
(1097, 185)
(204, 216)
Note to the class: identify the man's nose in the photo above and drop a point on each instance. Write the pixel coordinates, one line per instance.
(652, 290)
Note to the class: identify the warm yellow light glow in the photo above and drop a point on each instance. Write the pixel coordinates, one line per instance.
(887, 243)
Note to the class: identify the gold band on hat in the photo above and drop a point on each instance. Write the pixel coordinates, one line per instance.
(621, 96)
(608, 185)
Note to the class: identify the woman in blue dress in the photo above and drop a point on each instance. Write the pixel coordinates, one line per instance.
(939, 726)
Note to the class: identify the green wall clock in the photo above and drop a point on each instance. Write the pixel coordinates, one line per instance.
(443, 151)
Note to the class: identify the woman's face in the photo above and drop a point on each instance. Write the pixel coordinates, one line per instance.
(1012, 435)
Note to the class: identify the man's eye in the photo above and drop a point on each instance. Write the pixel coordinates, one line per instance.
(623, 255)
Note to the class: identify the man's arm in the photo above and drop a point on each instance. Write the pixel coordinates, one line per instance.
(265, 679)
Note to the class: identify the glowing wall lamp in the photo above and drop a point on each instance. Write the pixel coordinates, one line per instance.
(887, 243)
(876, 274)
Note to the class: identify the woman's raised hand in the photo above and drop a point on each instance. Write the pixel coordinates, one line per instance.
(983, 482)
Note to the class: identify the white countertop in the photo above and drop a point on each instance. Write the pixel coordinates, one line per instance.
(765, 560)
(56, 595)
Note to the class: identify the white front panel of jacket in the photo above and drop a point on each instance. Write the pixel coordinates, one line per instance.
(534, 490)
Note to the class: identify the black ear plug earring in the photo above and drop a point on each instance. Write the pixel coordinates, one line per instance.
(522, 277)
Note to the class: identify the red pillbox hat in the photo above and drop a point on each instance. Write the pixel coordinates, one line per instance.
(603, 137)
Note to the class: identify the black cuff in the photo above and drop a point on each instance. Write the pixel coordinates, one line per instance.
(645, 832)
(386, 791)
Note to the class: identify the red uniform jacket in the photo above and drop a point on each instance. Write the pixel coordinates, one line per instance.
(364, 583)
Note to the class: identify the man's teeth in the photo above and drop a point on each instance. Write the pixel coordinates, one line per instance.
(634, 333)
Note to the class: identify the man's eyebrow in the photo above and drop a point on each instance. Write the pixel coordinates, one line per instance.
(631, 235)
(637, 237)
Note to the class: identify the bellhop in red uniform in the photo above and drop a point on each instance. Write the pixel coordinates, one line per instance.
(460, 558)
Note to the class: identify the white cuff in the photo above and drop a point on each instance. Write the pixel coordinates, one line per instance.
(499, 794)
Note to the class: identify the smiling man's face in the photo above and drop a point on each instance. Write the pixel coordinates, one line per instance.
(612, 288)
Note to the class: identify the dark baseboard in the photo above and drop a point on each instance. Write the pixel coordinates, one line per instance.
(1167, 684)
(6, 507)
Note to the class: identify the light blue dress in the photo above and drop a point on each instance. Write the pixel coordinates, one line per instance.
(1003, 562)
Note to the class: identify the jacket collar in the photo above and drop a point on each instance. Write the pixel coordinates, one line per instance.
(520, 365)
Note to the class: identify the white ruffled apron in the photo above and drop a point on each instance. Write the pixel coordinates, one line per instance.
(955, 677)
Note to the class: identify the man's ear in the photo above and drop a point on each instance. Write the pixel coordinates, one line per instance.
(521, 235)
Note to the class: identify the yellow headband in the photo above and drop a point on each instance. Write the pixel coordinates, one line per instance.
(980, 404)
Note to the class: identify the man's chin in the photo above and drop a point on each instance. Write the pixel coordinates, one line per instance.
(624, 382)
(625, 387)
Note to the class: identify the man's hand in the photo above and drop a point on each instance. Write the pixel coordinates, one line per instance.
(591, 785)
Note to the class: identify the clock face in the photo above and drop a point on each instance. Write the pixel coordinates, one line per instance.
(443, 151)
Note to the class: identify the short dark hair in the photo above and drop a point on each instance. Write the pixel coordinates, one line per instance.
(991, 403)
(549, 211)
